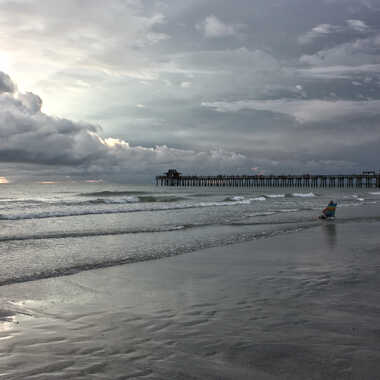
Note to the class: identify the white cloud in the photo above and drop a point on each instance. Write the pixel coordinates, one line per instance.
(304, 110)
(355, 53)
(337, 71)
(326, 30)
(357, 25)
(186, 84)
(318, 31)
(212, 27)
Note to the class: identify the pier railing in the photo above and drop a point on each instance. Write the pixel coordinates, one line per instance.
(354, 180)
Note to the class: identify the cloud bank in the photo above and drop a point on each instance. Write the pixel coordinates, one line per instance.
(29, 136)
(306, 111)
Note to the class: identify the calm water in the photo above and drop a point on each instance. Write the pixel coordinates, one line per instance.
(49, 230)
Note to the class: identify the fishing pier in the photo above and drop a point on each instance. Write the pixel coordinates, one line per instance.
(366, 179)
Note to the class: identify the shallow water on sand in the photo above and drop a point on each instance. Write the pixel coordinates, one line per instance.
(285, 308)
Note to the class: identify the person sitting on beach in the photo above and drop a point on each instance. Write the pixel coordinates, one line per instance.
(329, 211)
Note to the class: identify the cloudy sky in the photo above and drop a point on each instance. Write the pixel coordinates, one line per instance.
(124, 89)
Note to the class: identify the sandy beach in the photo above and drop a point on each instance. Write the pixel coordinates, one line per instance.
(303, 305)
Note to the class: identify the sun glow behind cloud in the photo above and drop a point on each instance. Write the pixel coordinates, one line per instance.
(3, 180)
(4, 62)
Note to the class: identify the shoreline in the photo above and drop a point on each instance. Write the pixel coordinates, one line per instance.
(294, 306)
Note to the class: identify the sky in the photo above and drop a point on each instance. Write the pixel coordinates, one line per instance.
(123, 90)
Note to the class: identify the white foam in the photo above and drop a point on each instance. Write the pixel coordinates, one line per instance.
(258, 199)
(225, 203)
(130, 199)
(356, 196)
(235, 198)
(264, 213)
(303, 195)
(375, 193)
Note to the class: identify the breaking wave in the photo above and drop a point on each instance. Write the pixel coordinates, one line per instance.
(274, 195)
(235, 198)
(111, 193)
(135, 199)
(302, 195)
(259, 199)
(99, 201)
(242, 200)
(80, 234)
(136, 208)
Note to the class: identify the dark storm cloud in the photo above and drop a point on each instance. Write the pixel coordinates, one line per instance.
(28, 135)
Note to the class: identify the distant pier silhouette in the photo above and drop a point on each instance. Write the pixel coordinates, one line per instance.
(365, 179)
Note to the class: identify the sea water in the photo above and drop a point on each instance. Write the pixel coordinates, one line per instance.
(300, 301)
(48, 230)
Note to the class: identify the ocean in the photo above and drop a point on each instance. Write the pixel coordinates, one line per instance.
(49, 230)
(103, 281)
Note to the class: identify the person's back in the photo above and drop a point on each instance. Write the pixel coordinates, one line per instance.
(329, 211)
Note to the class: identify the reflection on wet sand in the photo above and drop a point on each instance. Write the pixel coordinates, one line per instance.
(329, 229)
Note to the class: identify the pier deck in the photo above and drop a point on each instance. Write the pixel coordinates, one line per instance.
(367, 179)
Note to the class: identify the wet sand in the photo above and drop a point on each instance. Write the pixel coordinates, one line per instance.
(303, 305)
